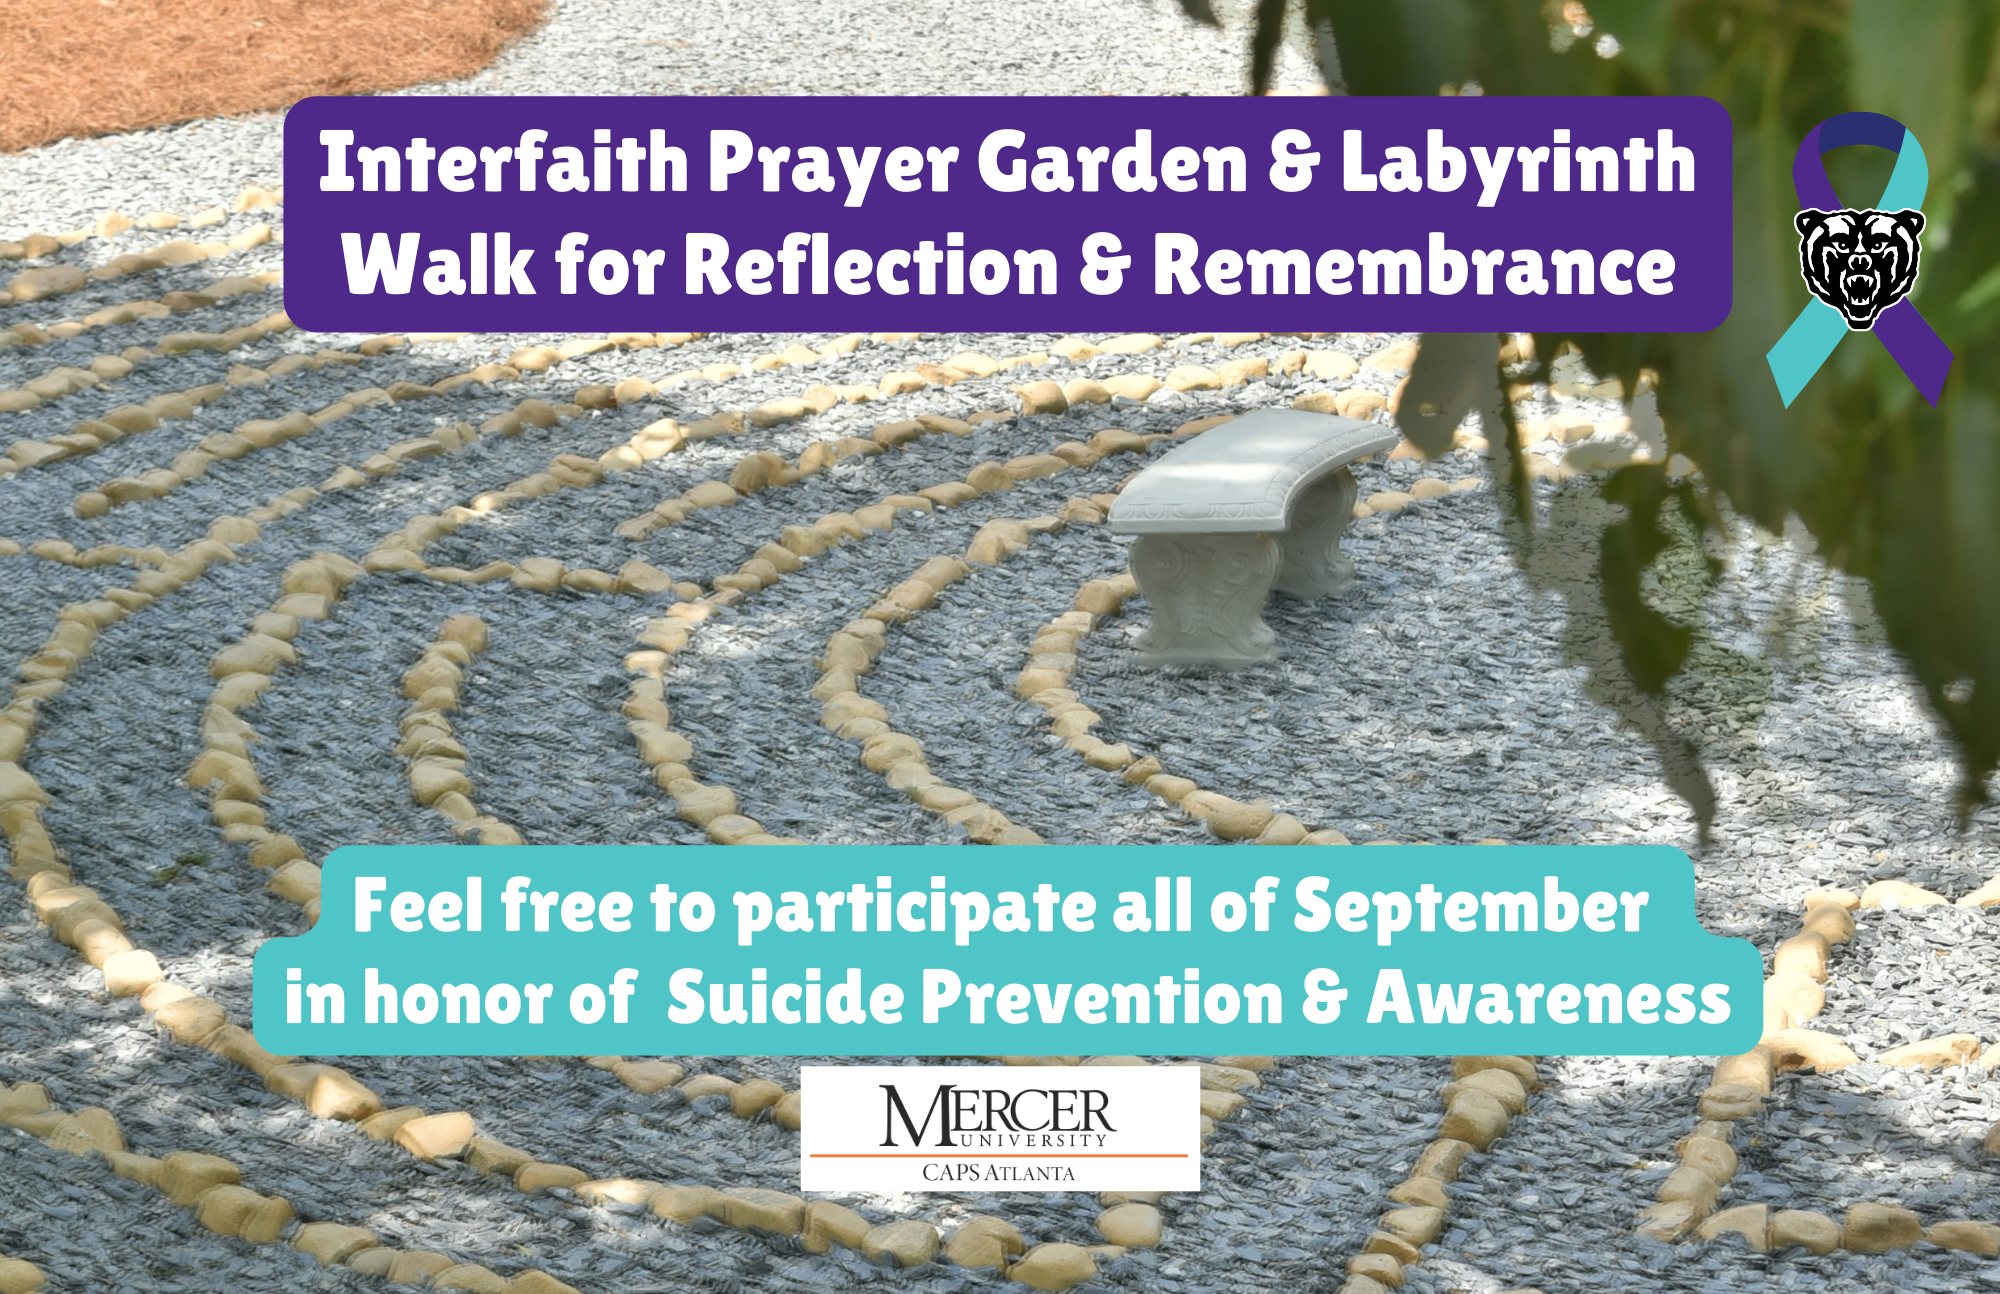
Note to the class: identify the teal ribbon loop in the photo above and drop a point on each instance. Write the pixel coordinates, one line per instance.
(1910, 340)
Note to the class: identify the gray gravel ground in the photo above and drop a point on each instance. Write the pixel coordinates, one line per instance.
(1438, 702)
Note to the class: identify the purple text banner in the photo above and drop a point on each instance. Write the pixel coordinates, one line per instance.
(469, 214)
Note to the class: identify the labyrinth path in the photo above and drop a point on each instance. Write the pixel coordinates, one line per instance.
(264, 593)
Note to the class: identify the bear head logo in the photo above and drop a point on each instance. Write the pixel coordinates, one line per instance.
(1859, 262)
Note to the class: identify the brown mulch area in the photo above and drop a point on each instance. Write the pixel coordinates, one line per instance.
(91, 67)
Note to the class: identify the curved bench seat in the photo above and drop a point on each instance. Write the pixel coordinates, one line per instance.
(1252, 505)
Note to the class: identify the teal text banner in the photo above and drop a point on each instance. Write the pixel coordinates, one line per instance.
(920, 950)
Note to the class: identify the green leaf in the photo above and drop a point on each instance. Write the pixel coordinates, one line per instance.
(1455, 374)
(1652, 646)
(1908, 61)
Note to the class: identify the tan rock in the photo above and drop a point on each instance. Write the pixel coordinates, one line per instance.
(184, 1175)
(329, 1092)
(828, 1224)
(909, 1243)
(1981, 1238)
(1331, 365)
(1383, 1242)
(432, 779)
(984, 1242)
(1519, 1066)
(1813, 1231)
(87, 1131)
(1194, 377)
(412, 1266)
(1804, 954)
(1441, 1159)
(1986, 896)
(1358, 403)
(1829, 922)
(1753, 1068)
(1474, 1117)
(1751, 1221)
(19, 1276)
(1668, 1220)
(1418, 1225)
(192, 1020)
(1133, 386)
(1040, 398)
(53, 280)
(1713, 1158)
(1133, 1225)
(529, 1178)
(471, 1277)
(746, 1207)
(538, 574)
(1952, 1049)
(1236, 372)
(648, 1076)
(238, 1211)
(1878, 1228)
(1384, 1271)
(383, 1124)
(973, 363)
(127, 974)
(754, 1095)
(618, 1190)
(1053, 1266)
(1900, 894)
(436, 1136)
(490, 1157)
(252, 654)
(1728, 1101)
(1034, 467)
(1228, 819)
(710, 494)
(1499, 1084)
(1795, 1049)
(98, 941)
(644, 578)
(332, 1243)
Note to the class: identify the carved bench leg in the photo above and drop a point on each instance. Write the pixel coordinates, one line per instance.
(1313, 565)
(1207, 593)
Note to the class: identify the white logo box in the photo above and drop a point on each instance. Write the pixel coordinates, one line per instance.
(893, 1128)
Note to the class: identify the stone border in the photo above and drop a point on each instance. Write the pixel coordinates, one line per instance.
(1741, 1084)
(211, 1188)
(112, 223)
(82, 919)
(19, 1276)
(67, 379)
(1051, 667)
(325, 1090)
(1485, 1093)
(61, 279)
(434, 683)
(715, 808)
(247, 437)
(434, 760)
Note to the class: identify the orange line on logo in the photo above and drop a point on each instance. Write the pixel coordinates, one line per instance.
(827, 1155)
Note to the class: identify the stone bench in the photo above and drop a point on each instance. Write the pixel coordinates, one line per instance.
(1252, 505)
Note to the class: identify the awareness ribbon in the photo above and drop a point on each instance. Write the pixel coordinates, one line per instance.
(1911, 342)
